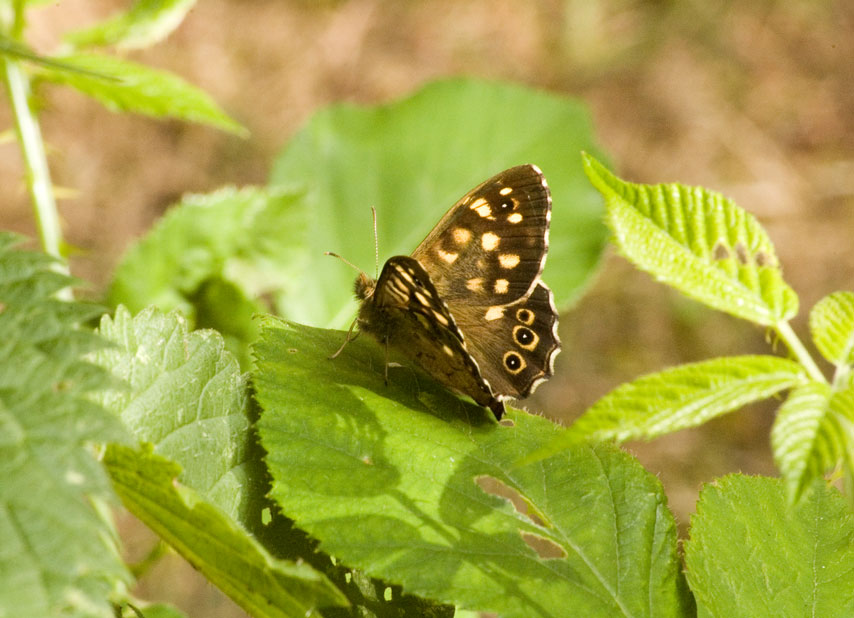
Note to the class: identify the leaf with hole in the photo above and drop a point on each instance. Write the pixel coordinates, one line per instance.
(698, 242)
(418, 487)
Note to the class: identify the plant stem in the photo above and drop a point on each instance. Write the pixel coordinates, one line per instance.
(797, 348)
(35, 160)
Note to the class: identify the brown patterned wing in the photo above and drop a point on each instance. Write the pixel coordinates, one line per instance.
(490, 247)
(516, 344)
(406, 312)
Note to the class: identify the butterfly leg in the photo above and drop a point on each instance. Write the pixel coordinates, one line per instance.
(386, 362)
(350, 337)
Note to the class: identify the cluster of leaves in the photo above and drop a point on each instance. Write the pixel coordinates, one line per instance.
(711, 250)
(310, 488)
(117, 83)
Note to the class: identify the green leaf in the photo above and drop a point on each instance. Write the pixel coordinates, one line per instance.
(146, 22)
(832, 327)
(140, 89)
(751, 554)
(16, 49)
(412, 159)
(698, 242)
(418, 487)
(213, 543)
(186, 396)
(152, 610)
(685, 396)
(58, 554)
(813, 432)
(212, 254)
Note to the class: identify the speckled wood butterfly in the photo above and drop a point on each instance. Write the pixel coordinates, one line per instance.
(468, 305)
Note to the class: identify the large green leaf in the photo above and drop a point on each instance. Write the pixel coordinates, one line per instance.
(751, 554)
(832, 327)
(418, 487)
(58, 554)
(146, 22)
(813, 432)
(140, 89)
(213, 255)
(185, 395)
(412, 159)
(698, 242)
(213, 543)
(678, 398)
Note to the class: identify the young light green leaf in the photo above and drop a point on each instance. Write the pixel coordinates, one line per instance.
(698, 242)
(752, 554)
(16, 49)
(186, 396)
(58, 553)
(832, 327)
(140, 89)
(231, 559)
(813, 432)
(684, 396)
(418, 487)
(145, 23)
(212, 255)
(412, 159)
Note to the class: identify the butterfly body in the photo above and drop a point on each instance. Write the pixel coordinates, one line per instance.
(468, 305)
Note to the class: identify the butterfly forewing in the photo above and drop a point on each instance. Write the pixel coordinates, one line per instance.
(406, 312)
(491, 246)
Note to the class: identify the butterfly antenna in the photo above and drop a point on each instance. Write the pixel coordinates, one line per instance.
(376, 245)
(343, 259)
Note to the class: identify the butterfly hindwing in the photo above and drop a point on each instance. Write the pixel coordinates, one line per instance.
(521, 340)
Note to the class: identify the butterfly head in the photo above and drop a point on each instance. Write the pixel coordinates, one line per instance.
(364, 286)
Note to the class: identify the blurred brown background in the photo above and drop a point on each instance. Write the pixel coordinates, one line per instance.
(753, 99)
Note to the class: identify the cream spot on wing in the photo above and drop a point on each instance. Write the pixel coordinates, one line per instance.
(447, 349)
(506, 191)
(494, 313)
(421, 298)
(489, 241)
(461, 235)
(516, 217)
(501, 286)
(508, 260)
(450, 258)
(481, 206)
(440, 318)
(405, 275)
(475, 284)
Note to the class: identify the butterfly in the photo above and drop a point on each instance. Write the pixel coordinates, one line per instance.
(468, 305)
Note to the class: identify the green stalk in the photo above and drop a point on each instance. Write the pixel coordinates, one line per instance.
(35, 161)
(797, 348)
